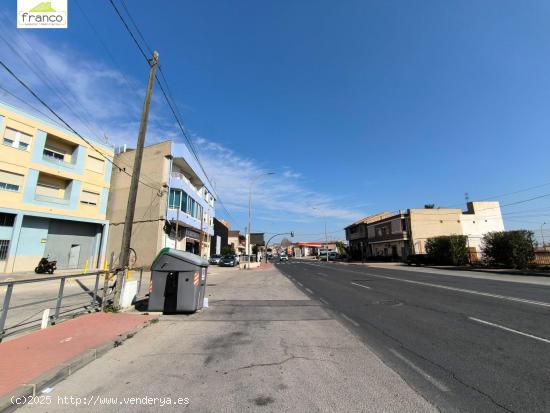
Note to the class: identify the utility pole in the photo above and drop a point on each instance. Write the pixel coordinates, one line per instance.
(132, 195)
(542, 235)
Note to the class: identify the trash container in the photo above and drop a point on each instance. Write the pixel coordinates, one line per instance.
(178, 282)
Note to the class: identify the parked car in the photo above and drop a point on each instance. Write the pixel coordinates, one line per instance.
(417, 259)
(215, 259)
(283, 257)
(229, 260)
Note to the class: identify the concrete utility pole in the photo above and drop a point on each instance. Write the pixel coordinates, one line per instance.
(132, 195)
(542, 235)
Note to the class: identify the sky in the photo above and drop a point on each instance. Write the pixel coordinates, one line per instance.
(356, 106)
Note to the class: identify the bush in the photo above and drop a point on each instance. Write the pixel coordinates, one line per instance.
(227, 250)
(514, 249)
(448, 250)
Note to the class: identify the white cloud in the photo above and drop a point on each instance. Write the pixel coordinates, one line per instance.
(282, 195)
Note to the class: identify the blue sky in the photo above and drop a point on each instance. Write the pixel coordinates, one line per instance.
(357, 106)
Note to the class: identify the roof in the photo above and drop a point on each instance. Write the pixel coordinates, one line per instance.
(371, 218)
(233, 233)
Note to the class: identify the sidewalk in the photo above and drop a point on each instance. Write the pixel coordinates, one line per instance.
(42, 356)
(261, 346)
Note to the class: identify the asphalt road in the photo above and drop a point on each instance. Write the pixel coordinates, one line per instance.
(465, 344)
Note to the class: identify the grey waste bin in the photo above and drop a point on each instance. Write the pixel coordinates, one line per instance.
(178, 282)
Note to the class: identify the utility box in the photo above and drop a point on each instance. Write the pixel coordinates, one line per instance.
(178, 282)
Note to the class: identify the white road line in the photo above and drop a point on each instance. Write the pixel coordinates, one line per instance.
(364, 286)
(323, 274)
(462, 290)
(300, 284)
(352, 321)
(309, 291)
(510, 330)
(323, 301)
(413, 366)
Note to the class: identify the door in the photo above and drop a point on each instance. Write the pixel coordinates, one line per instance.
(74, 255)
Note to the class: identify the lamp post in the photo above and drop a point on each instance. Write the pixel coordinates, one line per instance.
(247, 246)
(542, 235)
(326, 239)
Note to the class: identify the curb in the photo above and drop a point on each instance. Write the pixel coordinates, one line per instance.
(61, 372)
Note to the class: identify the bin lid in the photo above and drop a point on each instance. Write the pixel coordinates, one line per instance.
(181, 255)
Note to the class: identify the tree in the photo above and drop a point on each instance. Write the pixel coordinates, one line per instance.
(341, 248)
(448, 249)
(514, 249)
(227, 250)
(429, 206)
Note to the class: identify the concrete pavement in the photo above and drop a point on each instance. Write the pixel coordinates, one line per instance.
(261, 346)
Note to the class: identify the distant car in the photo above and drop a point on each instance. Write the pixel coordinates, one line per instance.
(229, 261)
(283, 257)
(417, 259)
(215, 259)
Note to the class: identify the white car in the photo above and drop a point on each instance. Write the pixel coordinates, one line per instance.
(283, 257)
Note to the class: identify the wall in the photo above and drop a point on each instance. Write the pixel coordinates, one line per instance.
(482, 217)
(63, 234)
(147, 234)
(427, 223)
(31, 246)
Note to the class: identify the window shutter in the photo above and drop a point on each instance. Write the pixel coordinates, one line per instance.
(88, 197)
(11, 178)
(47, 190)
(96, 164)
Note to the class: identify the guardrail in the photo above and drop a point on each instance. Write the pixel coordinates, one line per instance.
(95, 304)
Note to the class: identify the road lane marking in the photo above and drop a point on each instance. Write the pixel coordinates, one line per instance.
(462, 290)
(309, 291)
(364, 286)
(323, 274)
(413, 366)
(300, 284)
(323, 301)
(510, 330)
(352, 321)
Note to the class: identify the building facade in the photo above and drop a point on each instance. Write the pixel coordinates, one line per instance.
(220, 238)
(396, 235)
(174, 208)
(54, 188)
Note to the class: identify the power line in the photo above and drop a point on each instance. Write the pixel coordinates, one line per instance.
(128, 30)
(66, 123)
(166, 95)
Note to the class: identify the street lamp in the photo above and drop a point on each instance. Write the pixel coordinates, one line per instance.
(326, 239)
(542, 234)
(247, 247)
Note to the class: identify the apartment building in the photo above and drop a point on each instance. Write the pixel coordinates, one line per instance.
(396, 235)
(54, 189)
(174, 208)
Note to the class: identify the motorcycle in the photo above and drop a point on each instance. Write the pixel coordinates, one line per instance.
(46, 266)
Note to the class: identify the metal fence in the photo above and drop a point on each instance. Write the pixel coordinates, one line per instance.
(96, 300)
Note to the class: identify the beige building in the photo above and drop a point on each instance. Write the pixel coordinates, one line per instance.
(175, 204)
(405, 232)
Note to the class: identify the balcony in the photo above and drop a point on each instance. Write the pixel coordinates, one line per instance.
(395, 236)
(59, 152)
(51, 199)
(53, 189)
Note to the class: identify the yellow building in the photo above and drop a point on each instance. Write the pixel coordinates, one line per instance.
(53, 194)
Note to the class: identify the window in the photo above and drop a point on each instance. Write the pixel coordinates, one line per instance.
(55, 155)
(184, 199)
(174, 200)
(6, 220)
(4, 247)
(10, 181)
(16, 139)
(95, 164)
(89, 198)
